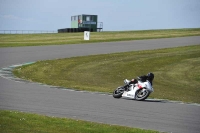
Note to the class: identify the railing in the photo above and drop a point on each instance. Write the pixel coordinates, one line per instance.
(26, 31)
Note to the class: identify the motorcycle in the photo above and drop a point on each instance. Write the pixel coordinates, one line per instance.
(139, 91)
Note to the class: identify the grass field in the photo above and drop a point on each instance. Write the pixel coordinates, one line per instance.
(177, 72)
(18, 122)
(16, 40)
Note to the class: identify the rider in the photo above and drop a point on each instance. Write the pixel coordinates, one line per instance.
(149, 77)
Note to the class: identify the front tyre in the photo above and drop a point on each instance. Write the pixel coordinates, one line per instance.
(118, 92)
(142, 94)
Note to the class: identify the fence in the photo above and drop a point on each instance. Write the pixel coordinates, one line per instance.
(26, 31)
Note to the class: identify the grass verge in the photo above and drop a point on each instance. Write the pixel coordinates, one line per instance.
(16, 40)
(177, 72)
(18, 122)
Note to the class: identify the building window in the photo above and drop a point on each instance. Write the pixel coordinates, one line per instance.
(80, 17)
(87, 18)
(73, 18)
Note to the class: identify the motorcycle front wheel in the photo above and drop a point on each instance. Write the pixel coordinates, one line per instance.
(118, 92)
(142, 94)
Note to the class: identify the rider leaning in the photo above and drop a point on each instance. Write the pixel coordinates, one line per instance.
(149, 77)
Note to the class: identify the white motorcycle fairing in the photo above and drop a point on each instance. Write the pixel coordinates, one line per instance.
(131, 92)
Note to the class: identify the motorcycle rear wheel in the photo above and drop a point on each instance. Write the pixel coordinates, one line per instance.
(142, 94)
(118, 92)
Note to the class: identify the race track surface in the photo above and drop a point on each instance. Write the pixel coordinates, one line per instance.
(158, 115)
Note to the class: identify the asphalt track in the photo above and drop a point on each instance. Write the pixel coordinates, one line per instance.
(158, 115)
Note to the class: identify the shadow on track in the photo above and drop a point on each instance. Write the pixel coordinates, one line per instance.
(155, 100)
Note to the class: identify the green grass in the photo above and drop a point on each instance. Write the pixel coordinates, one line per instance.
(177, 72)
(16, 40)
(18, 122)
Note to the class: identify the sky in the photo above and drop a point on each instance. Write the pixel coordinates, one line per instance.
(116, 15)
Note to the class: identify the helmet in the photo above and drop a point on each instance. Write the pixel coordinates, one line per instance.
(150, 76)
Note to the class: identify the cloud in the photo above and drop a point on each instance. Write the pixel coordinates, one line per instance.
(11, 17)
(14, 17)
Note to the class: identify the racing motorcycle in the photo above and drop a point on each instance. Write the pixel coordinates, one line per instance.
(139, 91)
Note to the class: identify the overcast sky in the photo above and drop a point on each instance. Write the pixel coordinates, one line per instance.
(116, 15)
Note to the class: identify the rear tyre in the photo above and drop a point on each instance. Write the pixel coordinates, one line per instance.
(118, 92)
(142, 94)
